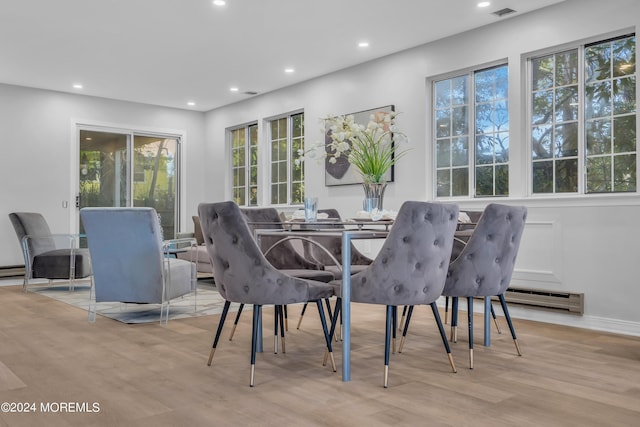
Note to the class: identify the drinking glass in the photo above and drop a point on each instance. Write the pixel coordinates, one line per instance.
(311, 209)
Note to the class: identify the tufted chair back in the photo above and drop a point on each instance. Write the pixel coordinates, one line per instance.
(283, 256)
(485, 265)
(241, 271)
(411, 267)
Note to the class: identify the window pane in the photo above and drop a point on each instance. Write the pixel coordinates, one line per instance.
(543, 177)
(567, 68)
(443, 123)
(597, 62)
(502, 180)
(501, 147)
(484, 181)
(624, 95)
(442, 94)
(598, 133)
(598, 100)
(541, 142)
(542, 107)
(484, 149)
(567, 176)
(460, 151)
(624, 173)
(443, 153)
(443, 183)
(567, 104)
(543, 72)
(460, 90)
(624, 57)
(566, 140)
(460, 179)
(598, 174)
(625, 134)
(459, 126)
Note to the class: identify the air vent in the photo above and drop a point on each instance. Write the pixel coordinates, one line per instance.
(500, 13)
(250, 92)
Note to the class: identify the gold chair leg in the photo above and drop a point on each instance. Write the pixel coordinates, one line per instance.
(401, 344)
(253, 370)
(454, 334)
(211, 353)
(495, 321)
(470, 358)
(333, 362)
(452, 363)
(386, 376)
(326, 356)
(517, 347)
(233, 331)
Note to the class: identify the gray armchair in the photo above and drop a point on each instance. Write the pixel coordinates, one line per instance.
(411, 267)
(243, 275)
(485, 264)
(46, 255)
(130, 264)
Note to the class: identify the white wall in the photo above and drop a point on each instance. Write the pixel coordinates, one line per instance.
(37, 171)
(581, 244)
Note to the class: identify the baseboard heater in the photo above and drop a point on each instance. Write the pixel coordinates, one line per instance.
(572, 302)
(11, 270)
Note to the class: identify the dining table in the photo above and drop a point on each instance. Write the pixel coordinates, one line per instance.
(348, 231)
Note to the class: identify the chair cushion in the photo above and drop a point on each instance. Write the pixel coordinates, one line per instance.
(55, 264)
(337, 273)
(318, 275)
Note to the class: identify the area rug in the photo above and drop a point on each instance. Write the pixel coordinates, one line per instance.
(208, 302)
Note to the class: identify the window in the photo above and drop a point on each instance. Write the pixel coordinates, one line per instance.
(486, 141)
(244, 165)
(287, 177)
(583, 119)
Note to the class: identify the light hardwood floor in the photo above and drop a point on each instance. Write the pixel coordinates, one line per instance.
(148, 375)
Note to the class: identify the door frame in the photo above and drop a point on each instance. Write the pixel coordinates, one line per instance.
(74, 173)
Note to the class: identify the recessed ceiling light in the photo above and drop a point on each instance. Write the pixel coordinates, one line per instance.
(363, 44)
(484, 4)
(219, 2)
(289, 70)
(191, 103)
(77, 86)
(233, 89)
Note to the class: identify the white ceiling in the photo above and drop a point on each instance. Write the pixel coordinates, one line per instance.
(169, 52)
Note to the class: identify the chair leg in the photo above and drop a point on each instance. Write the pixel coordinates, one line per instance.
(327, 336)
(495, 319)
(276, 320)
(279, 321)
(223, 316)
(304, 308)
(503, 302)
(406, 328)
(454, 319)
(257, 311)
(387, 339)
(446, 309)
(328, 303)
(394, 328)
(403, 317)
(286, 321)
(443, 335)
(334, 323)
(235, 322)
(470, 316)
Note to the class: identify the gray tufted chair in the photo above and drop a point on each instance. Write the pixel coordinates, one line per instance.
(485, 265)
(283, 256)
(243, 275)
(411, 267)
(46, 255)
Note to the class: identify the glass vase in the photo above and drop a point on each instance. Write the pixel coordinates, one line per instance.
(374, 190)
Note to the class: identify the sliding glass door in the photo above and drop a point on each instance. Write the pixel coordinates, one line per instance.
(128, 169)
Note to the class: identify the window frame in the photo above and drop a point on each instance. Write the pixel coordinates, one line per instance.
(290, 160)
(527, 64)
(247, 129)
(471, 104)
